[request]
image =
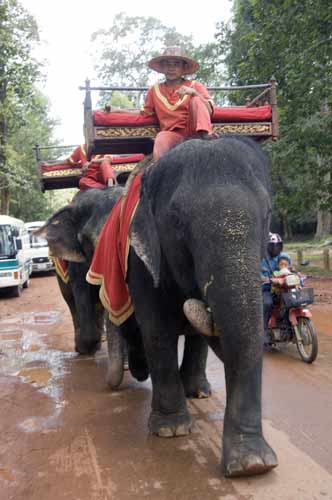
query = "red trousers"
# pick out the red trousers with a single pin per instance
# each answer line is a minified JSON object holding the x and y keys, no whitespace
{"x":199,"y":120}
{"x":97,"y":175}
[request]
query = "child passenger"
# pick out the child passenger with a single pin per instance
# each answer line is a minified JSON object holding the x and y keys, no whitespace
{"x":285,"y":268}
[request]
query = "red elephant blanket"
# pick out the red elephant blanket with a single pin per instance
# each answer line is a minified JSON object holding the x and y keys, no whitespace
{"x":61,"y":268}
{"x":109,"y":264}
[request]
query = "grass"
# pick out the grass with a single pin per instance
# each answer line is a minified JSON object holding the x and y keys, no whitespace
{"x":312,"y":251}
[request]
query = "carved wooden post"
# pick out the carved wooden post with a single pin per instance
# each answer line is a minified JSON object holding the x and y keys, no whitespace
{"x":275,"y":117}
{"x":37,"y":152}
{"x":299,"y":257}
{"x":88,"y":120}
{"x":326,"y":259}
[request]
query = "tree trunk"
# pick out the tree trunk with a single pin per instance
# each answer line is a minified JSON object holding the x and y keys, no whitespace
{"x":324,"y":223}
{"x":286,"y":227}
{"x":4,"y":201}
{"x":4,"y":191}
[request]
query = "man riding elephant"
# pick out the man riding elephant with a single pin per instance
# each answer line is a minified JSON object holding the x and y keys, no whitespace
{"x":183,"y":107}
{"x":197,"y":237}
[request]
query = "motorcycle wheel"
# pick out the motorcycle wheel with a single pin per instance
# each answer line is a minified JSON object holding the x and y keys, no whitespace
{"x":308,"y":349}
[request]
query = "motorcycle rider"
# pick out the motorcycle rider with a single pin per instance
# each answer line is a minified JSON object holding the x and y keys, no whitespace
{"x":269,"y":265}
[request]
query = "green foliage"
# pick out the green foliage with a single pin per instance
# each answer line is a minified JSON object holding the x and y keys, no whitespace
{"x":290,"y":39}
{"x":23,"y":114}
{"x":27,"y":200}
{"x":122,"y":52}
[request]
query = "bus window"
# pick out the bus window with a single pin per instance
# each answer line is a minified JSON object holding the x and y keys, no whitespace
{"x":7,"y":248}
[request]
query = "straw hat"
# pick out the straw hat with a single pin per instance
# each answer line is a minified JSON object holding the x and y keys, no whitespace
{"x":176,"y":53}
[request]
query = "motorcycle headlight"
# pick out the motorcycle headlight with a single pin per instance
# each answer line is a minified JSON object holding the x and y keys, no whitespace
{"x":292,"y":280}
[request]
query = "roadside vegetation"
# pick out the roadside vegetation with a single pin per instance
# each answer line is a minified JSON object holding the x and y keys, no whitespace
{"x":290,"y":40}
{"x":311,"y":256}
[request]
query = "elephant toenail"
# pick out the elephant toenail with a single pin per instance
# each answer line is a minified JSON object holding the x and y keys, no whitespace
{"x":165,"y":432}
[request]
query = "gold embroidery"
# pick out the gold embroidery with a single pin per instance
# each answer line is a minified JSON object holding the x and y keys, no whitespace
{"x":62,"y":173}
{"x":259,"y":129}
{"x":126,"y":131}
{"x":164,"y":100}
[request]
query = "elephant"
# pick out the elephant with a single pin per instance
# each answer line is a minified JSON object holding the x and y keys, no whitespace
{"x":83,"y":299}
{"x":72,"y":233}
{"x":197,"y":237}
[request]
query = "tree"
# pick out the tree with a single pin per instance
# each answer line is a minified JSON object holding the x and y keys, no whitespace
{"x":18,"y":72}
{"x":26,"y":200}
{"x":290,"y":39}
{"x":122,"y":52}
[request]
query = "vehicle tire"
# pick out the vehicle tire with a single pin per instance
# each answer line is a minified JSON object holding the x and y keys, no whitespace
{"x":17,"y":291}
{"x":27,"y":283}
{"x":308,"y":350}
{"x":116,"y":355}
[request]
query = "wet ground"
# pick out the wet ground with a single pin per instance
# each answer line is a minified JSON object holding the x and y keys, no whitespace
{"x":63,"y":434}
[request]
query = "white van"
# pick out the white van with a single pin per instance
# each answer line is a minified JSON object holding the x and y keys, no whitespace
{"x":38,"y":249}
{"x":15,"y":260}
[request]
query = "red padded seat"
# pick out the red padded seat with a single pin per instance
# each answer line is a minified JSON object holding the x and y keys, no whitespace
{"x":103,"y":118}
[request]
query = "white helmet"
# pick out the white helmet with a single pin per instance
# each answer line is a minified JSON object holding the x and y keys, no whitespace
{"x":275,"y":244}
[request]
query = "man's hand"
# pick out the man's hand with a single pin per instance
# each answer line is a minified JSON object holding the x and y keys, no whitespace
{"x":184,"y":90}
{"x":265,"y":279}
{"x":85,"y":167}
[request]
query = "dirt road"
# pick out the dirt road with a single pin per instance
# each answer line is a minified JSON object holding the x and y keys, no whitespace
{"x":64,"y":435}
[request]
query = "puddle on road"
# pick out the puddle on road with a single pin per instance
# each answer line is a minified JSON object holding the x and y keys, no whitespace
{"x":26,"y":354}
{"x":7,"y":475}
{"x":10,"y":335}
{"x":33,"y":318}
{"x":39,"y":376}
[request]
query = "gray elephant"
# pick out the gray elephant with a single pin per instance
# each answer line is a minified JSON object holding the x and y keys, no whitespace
{"x":197,"y":239}
{"x":72,"y":233}
{"x":83,"y":299}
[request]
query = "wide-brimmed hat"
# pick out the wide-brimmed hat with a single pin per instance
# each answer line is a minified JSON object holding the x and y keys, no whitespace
{"x":178,"y":54}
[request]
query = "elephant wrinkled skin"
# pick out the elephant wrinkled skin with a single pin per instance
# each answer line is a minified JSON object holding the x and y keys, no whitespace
{"x":198,"y":233}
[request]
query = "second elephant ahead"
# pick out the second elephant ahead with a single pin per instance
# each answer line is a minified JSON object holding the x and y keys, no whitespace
{"x":72,"y":233}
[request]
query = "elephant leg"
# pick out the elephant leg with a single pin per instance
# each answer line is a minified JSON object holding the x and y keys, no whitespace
{"x":239,"y":317}
{"x":193,"y":367}
{"x":115,"y":346}
{"x":67,"y":293}
{"x":88,"y":311}
{"x":137,"y":362}
{"x":169,"y":416}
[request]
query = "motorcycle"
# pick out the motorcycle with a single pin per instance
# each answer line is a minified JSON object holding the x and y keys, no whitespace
{"x":291,"y":320}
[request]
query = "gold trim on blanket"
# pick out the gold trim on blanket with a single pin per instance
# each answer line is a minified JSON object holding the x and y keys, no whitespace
{"x":116,"y":317}
{"x":64,"y":275}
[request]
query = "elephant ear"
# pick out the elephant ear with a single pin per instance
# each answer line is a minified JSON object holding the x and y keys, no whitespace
{"x":61,"y":233}
{"x":145,"y":240}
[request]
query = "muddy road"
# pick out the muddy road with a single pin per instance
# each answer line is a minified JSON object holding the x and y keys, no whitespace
{"x":63,"y":434}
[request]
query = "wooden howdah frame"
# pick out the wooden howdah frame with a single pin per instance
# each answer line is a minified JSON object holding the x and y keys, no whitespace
{"x":139,"y":139}
{"x":126,"y":140}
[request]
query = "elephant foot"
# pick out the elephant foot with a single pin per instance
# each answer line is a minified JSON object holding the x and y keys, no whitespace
{"x":137,"y":364}
{"x":196,"y":387}
{"x":87,"y":347}
{"x":173,"y":425}
{"x":247,"y":456}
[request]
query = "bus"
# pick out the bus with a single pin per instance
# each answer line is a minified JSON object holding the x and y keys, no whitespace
{"x":15,"y":259}
{"x":38,"y":249}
